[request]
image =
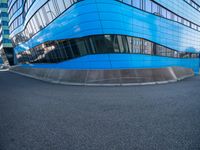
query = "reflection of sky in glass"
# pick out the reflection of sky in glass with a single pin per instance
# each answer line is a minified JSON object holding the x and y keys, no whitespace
{"x":189,"y":39}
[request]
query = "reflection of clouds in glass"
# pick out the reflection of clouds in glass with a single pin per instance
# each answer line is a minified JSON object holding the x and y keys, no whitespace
{"x":77,"y":29}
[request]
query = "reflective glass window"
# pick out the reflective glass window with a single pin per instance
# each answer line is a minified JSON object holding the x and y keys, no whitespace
{"x":137,"y":3}
{"x":147,"y":4}
{"x":128,"y":1}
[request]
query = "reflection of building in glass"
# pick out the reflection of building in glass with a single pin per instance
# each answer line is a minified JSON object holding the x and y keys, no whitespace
{"x":113,"y":34}
{"x":6,"y":49}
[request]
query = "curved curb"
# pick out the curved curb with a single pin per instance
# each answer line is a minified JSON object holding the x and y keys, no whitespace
{"x":100,"y":84}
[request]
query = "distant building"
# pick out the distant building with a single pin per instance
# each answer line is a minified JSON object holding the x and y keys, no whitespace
{"x":1,"y":60}
{"x":6,"y":49}
{"x":106,"y":34}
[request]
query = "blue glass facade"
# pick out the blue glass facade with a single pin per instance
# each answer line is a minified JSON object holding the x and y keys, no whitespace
{"x":105,"y":34}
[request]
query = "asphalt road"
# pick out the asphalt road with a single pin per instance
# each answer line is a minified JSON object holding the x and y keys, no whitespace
{"x":36,"y":115}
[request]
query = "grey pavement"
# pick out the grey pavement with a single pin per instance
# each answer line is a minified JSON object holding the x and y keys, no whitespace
{"x":36,"y":115}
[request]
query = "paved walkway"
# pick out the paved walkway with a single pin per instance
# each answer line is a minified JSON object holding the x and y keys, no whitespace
{"x":36,"y":115}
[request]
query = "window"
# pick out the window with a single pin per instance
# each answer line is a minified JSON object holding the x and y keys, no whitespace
{"x":169,"y":15}
{"x":57,"y":51}
{"x":67,"y":3}
{"x":164,"y":12}
{"x":128,"y":1}
{"x":48,"y":13}
{"x":137,"y":3}
{"x":80,"y":44}
{"x":179,"y":19}
{"x":39,"y":20}
{"x":33,"y":26}
{"x":136,"y":45}
{"x":175,"y":18}
{"x":147,"y":47}
{"x":30,"y":30}
{"x":6,"y":31}
{"x":103,"y":44}
{"x":114,"y":40}
{"x":52,"y":9}
{"x":155,"y":8}
{"x":147,"y":4}
{"x":43,"y":17}
{"x":130,"y":44}
{"x":61,"y":6}
{"x":36,"y":26}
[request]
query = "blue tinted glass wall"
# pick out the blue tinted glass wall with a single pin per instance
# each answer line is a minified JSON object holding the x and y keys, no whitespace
{"x":161,"y":22}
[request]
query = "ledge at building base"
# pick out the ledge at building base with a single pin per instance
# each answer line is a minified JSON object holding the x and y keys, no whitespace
{"x":107,"y":77}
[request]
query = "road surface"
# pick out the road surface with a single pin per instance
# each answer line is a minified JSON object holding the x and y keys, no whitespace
{"x":36,"y":115}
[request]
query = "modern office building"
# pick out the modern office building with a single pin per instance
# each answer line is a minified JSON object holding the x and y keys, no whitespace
{"x":6,"y":49}
{"x":1,"y":61}
{"x":105,"y":34}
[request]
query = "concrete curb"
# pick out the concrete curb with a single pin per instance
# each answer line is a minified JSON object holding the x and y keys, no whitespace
{"x":100,"y":84}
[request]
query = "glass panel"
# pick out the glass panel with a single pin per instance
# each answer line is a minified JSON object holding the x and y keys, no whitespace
{"x":61,"y":6}
{"x":154,"y":8}
{"x":67,"y":3}
{"x":53,"y":11}
{"x":163,"y":12}
{"x":137,"y":3}
{"x":148,"y":5}
{"x":39,"y":20}
{"x":120,"y":42}
{"x":136,"y":45}
{"x":128,"y":1}
{"x":115,"y":44}
{"x":43,"y":18}
{"x":48,"y":12}
{"x":147,"y":47}
{"x":81,"y":47}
